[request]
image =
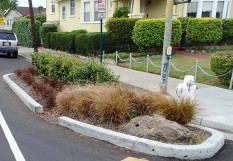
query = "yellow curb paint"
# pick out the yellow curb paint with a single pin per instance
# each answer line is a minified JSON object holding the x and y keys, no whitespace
{"x":133,"y":159}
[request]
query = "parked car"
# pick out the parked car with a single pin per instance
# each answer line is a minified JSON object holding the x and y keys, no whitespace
{"x":8,"y":43}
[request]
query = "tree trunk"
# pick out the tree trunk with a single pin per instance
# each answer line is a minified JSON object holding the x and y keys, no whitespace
{"x":33,"y":26}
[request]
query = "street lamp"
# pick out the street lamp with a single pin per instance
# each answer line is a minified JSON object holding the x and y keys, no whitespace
{"x":167,"y":42}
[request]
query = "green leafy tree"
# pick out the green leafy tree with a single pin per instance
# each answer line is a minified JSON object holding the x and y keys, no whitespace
{"x":6,"y":4}
{"x":41,"y":17}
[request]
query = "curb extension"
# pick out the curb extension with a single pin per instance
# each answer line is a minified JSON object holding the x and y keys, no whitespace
{"x":25,"y":98}
{"x":201,"y":151}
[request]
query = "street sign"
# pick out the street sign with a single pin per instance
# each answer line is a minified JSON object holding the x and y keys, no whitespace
{"x":101,"y":9}
{"x":2,"y":21}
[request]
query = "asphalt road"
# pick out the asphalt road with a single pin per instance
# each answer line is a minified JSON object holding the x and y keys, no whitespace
{"x":39,"y":140}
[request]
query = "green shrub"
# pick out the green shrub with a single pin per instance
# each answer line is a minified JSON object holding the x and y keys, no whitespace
{"x":227,"y":31}
{"x":149,"y":33}
{"x":222,"y":63}
{"x":184,"y":22}
{"x":121,"y":12}
{"x":120,"y":30}
{"x":41,"y":17}
{"x":89,"y":43}
{"x":44,"y":30}
{"x":204,"y":30}
{"x":65,"y":69}
{"x":22,"y":28}
{"x":65,"y":41}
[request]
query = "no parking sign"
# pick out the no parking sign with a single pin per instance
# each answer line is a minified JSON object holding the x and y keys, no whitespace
{"x":101,"y":9}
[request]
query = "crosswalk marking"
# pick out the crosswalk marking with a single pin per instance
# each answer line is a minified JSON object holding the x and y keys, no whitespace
{"x":13,"y":145}
{"x":134,"y":159}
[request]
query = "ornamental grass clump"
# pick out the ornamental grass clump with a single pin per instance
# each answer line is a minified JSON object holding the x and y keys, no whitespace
{"x":181,"y":110}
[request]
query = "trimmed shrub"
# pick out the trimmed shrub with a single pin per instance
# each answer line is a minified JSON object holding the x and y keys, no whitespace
{"x":89,"y":43}
{"x":121,"y":12}
{"x":65,"y":41}
{"x":41,"y":17}
{"x":222,"y":63}
{"x":227,"y":31}
{"x":22,"y":28}
{"x":120,"y":30}
{"x":44,"y":30}
{"x":149,"y":33}
{"x":184,"y":23}
{"x":204,"y":30}
{"x":65,"y":69}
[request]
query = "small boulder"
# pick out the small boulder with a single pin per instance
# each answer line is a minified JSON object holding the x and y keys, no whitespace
{"x":155,"y":127}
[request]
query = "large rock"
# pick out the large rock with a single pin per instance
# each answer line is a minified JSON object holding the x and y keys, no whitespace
{"x":155,"y":127}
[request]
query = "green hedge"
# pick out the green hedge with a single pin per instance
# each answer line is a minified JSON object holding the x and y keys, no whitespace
{"x":227,"y":31}
{"x":120,"y":30}
{"x":149,"y":33}
{"x":44,"y":30}
{"x":73,"y":70}
{"x":22,"y":28}
{"x":222,"y":63}
{"x":89,"y":44}
{"x":184,"y":23}
{"x":204,"y":30}
{"x":64,"y":41}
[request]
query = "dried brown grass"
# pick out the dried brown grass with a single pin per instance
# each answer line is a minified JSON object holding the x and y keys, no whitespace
{"x":181,"y":110}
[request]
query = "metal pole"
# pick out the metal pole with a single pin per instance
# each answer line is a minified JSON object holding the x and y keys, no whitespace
{"x":130,"y":60}
{"x":101,"y":40}
{"x":116,"y":57}
{"x":166,"y":43}
{"x":147,"y":63}
{"x":230,"y":87}
{"x":196,"y":70}
{"x":104,"y":56}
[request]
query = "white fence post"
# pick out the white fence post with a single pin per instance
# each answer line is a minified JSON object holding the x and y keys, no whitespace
{"x":116,"y":58}
{"x":147,"y":63}
{"x":196,"y":70}
{"x":130,"y":60}
{"x":230,"y":87}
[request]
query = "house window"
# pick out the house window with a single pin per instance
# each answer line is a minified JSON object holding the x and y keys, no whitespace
{"x":96,"y":11}
{"x":52,"y":6}
{"x":142,"y":6}
{"x":192,"y":9}
{"x":63,"y":12}
{"x":219,"y":12}
{"x":86,"y":11}
{"x":207,"y":9}
{"x":109,"y":5}
{"x":72,"y":8}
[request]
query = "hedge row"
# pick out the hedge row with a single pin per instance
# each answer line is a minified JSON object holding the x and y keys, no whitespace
{"x":64,"y":41}
{"x":222,"y":63}
{"x":149,"y":33}
{"x":22,"y":28}
{"x":73,"y":70}
{"x":89,"y":43}
{"x":44,"y":30}
{"x":121,"y":30}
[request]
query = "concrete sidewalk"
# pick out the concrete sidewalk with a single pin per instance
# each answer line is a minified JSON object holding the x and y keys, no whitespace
{"x":216,"y":104}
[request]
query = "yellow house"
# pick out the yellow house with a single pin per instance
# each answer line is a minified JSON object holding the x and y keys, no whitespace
{"x":83,"y":14}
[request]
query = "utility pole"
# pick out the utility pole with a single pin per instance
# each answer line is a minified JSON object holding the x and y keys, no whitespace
{"x":166,"y":47}
{"x":33,"y":26}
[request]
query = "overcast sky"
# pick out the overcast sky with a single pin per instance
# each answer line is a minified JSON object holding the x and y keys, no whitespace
{"x":35,"y":3}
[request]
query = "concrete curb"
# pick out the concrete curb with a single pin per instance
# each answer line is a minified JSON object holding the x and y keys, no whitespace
{"x":202,"y":151}
{"x":26,"y":99}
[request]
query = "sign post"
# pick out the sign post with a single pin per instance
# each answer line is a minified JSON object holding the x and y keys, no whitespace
{"x":101,"y":16}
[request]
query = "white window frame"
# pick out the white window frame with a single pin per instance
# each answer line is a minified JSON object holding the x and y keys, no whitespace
{"x":52,"y":4}
{"x":110,"y":4}
{"x":63,"y":12}
{"x":82,"y":10}
{"x":93,"y":13}
{"x":226,"y":8}
{"x":72,"y":8}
